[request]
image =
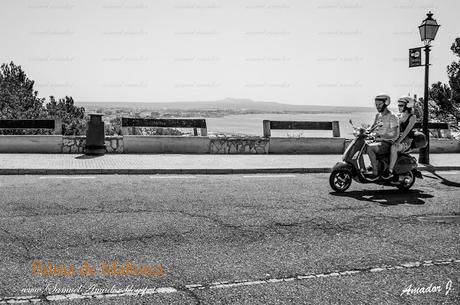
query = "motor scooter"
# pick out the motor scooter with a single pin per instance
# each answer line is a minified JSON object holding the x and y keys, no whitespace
{"x":352,"y":166}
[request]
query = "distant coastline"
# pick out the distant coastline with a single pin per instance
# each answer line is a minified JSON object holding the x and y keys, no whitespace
{"x":237,"y":116}
{"x":229,"y":104}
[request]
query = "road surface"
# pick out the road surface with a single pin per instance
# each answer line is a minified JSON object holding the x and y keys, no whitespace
{"x":229,"y":239}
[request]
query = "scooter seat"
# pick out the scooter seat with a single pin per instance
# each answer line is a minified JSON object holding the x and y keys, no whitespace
{"x":383,"y":155}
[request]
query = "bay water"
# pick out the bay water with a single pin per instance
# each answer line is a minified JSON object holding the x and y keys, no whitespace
{"x":251,"y":124}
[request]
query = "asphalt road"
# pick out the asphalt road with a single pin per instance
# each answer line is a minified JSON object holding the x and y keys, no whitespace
{"x":231,"y":239}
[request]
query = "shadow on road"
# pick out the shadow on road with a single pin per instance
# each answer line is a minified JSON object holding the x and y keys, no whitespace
{"x":387,"y":197}
{"x":82,"y":157}
{"x":443,"y":180}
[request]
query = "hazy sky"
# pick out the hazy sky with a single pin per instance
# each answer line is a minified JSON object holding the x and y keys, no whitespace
{"x":289,"y":51}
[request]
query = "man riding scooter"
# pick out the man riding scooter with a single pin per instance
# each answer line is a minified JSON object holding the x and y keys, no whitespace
{"x":352,"y":165}
{"x":385,"y":135}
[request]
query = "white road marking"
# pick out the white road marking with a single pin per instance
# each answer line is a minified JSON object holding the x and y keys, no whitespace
{"x":173,"y":177}
{"x":269,"y":176}
{"x":224,"y":284}
{"x":67,"y":177}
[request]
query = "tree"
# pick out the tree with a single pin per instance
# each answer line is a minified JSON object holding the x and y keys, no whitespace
{"x":114,"y":127}
{"x":19,"y":100}
{"x":446,"y":97}
{"x":453,"y":71}
{"x":72,"y":116}
{"x":443,"y":108}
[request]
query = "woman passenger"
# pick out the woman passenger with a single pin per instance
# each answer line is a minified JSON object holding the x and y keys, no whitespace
{"x":406,"y":122}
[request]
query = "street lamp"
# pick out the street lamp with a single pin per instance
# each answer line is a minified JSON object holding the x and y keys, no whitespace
{"x":428,"y":30}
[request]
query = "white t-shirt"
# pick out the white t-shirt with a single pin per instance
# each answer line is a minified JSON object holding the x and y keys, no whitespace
{"x":389,"y":121}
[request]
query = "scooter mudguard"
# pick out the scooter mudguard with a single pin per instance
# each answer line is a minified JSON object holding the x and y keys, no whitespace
{"x":404,"y":164}
{"x":343,"y":166}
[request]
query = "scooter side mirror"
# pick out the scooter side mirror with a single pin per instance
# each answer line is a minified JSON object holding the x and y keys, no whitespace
{"x":351,"y":122}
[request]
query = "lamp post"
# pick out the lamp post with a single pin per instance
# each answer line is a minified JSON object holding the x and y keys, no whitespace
{"x":428,"y":30}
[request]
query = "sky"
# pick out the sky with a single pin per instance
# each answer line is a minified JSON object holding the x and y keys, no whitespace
{"x":298,"y":52}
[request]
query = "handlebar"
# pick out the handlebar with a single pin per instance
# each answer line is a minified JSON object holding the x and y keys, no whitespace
{"x":363,"y":131}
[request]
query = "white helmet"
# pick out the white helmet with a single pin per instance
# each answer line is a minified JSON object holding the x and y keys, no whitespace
{"x":410,"y":102}
{"x":384,"y":98}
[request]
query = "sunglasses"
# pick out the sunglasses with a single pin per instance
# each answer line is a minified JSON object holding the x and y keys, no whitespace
{"x":401,"y":105}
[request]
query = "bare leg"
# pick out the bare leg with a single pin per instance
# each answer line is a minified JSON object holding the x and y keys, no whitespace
{"x":393,"y":156}
{"x":371,"y":151}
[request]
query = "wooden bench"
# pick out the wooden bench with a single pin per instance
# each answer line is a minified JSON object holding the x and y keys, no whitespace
{"x":301,"y":125}
{"x":132,"y":123}
{"x":435,"y":126}
{"x":33,"y":124}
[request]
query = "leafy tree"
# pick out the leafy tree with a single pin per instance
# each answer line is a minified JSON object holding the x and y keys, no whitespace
{"x":114,"y":127}
{"x":453,"y":71}
{"x":445,"y":105}
{"x":72,"y":116}
{"x":19,"y":100}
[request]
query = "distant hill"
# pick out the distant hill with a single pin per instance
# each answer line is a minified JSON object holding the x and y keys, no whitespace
{"x":228,"y":104}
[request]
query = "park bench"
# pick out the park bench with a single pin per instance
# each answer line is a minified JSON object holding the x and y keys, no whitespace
{"x":301,"y":125}
{"x":33,"y":124}
{"x":437,"y":126}
{"x":128,"y":125}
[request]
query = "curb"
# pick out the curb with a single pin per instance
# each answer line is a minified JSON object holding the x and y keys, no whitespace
{"x":200,"y":171}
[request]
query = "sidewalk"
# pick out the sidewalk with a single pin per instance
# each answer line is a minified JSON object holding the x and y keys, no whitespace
{"x":67,"y":164}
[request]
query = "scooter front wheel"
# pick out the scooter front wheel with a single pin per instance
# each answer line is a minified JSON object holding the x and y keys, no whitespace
{"x":340,"y":180}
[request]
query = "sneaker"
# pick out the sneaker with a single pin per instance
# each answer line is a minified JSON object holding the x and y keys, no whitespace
{"x":387,"y":174}
{"x":367,"y":171}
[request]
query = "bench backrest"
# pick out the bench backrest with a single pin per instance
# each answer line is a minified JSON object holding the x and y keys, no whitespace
{"x":436,"y":126}
{"x":433,"y":125}
{"x":301,"y":125}
{"x":33,"y":124}
{"x":127,"y":123}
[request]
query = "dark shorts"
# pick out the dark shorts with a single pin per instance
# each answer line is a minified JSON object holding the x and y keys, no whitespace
{"x":381,"y":148}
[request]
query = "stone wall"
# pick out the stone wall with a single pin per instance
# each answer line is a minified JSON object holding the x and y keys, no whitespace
{"x":165,"y":145}
{"x":31,"y":144}
{"x":73,"y":144}
{"x":239,"y":145}
{"x":305,"y":145}
{"x":76,"y":144}
{"x":114,"y":145}
{"x":198,"y":145}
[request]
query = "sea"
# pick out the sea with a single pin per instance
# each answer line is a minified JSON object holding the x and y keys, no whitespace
{"x":251,"y":124}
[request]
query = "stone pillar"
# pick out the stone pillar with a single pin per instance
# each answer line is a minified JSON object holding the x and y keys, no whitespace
{"x":266,"y":125}
{"x":95,"y":137}
{"x":335,"y":129}
{"x":58,"y":127}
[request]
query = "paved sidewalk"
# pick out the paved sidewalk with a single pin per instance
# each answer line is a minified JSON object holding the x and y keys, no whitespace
{"x":65,"y":164}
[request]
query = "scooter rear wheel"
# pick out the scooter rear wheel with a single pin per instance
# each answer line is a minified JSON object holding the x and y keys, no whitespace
{"x":340,"y":180}
{"x":405,"y":185}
